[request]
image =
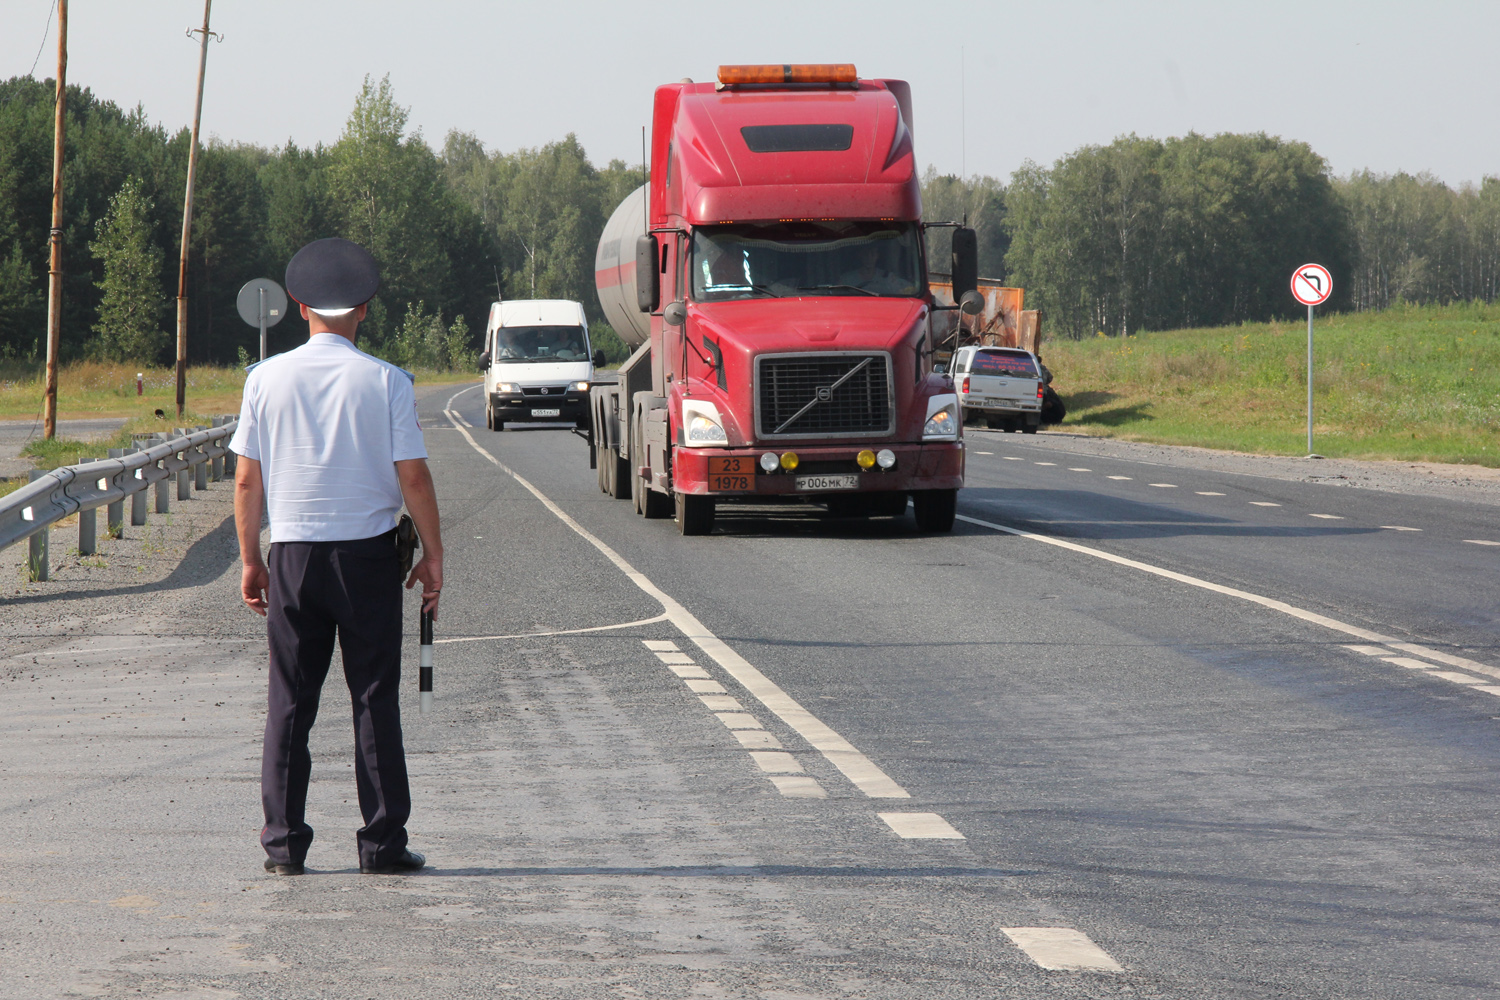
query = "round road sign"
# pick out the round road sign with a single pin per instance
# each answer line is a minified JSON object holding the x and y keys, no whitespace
{"x":1312,"y":284}
{"x":250,"y":302}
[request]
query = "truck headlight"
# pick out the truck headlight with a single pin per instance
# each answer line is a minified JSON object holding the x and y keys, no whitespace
{"x":942,"y":418}
{"x":702,"y":424}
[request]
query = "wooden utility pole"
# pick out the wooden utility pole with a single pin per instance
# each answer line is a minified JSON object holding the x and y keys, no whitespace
{"x":54,"y":269}
{"x":187,"y":216}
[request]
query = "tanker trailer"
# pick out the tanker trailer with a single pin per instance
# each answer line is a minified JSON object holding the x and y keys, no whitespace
{"x":772,"y":277}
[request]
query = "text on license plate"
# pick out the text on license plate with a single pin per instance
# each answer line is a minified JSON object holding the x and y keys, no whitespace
{"x":730,"y":473}
{"x":546,"y":413}
{"x":849,"y":482}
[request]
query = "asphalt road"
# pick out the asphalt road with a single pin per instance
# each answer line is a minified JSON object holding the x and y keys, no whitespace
{"x":1189,"y":785}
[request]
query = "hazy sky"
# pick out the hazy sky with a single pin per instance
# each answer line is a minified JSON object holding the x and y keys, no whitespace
{"x":1372,"y":84}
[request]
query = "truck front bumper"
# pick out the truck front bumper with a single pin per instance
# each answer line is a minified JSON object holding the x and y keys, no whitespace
{"x":934,"y":466}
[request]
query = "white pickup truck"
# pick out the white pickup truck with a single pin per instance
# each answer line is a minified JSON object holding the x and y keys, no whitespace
{"x":1003,"y":386}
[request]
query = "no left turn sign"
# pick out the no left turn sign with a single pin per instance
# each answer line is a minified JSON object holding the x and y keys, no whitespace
{"x":1312,"y":284}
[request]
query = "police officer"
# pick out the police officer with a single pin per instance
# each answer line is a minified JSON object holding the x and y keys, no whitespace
{"x":328,"y":440}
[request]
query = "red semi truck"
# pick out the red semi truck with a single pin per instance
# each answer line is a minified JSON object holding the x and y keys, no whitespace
{"x":772,"y":276}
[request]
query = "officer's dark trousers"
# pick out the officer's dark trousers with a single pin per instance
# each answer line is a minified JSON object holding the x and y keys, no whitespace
{"x":319,"y":590}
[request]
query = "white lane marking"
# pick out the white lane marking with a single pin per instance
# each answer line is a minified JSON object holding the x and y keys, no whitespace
{"x":721,"y":703}
{"x":1398,"y":527}
{"x":1410,"y":663}
{"x":1264,"y":503}
{"x":448,"y":406}
{"x":1044,"y":463}
{"x":1489,"y":689}
{"x":1334,"y":624}
{"x":920,"y":826}
{"x":704,"y":686}
{"x":672,"y":657}
{"x":776,"y":761}
{"x":660,"y":645}
{"x":1165,"y":486}
{"x":685,"y":670}
{"x":1328,"y":517}
{"x":568,"y":631}
{"x":1480,"y":541}
{"x":1208,"y":493}
{"x":1456,"y":677}
{"x":739,"y":720}
{"x":1370,"y":650}
{"x":1119,"y":477}
{"x":1061,"y":949}
{"x":1071,"y":469}
{"x":842,"y":754}
{"x":984,"y":453}
{"x":1013,"y":458}
{"x":798,"y":786}
{"x":757,"y":739}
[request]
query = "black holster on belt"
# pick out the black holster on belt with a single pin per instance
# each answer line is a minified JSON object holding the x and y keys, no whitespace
{"x":406,"y":544}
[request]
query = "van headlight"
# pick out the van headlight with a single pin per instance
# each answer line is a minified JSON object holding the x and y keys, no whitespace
{"x":942,"y":418}
{"x":702,"y":425}
{"x":509,"y":387}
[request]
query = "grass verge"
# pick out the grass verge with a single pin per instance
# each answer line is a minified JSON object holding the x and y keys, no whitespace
{"x":1410,"y":383}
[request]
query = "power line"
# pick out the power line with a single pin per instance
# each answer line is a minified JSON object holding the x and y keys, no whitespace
{"x":50,"y":11}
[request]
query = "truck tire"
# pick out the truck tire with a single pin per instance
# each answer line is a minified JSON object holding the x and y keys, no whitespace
{"x":657,"y":506}
{"x":620,"y":475}
{"x":935,"y":509}
{"x":887,"y":504}
{"x":695,"y":514}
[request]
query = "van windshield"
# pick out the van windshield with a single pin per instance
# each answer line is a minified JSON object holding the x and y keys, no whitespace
{"x":789,"y":259}
{"x":1003,"y":363}
{"x":540,"y":343}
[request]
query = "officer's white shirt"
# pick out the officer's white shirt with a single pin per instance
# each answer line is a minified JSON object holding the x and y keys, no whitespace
{"x":327,"y":423}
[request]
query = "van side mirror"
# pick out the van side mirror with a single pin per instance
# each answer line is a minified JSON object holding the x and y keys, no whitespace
{"x":599,"y":359}
{"x":647,"y":273}
{"x":484,"y":361}
{"x":965,"y":262}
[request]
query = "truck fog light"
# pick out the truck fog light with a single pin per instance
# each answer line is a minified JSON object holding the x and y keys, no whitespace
{"x":789,"y":460}
{"x":885,"y":458}
{"x":769,"y":461}
{"x":866,"y":459}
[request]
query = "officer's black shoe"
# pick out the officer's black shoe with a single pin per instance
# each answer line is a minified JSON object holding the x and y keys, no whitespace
{"x":409,"y":861}
{"x":295,"y":868}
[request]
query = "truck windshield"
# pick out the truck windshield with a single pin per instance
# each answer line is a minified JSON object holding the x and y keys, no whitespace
{"x":1003,"y":363}
{"x":784,"y":259}
{"x":540,"y":343}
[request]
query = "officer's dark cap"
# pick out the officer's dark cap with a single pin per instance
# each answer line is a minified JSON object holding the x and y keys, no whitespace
{"x":333,"y":275}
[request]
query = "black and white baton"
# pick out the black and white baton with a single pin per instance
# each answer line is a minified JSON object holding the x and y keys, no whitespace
{"x":424,"y":674}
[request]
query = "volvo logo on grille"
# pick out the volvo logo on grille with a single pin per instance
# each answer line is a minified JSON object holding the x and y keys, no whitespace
{"x":825,"y":393}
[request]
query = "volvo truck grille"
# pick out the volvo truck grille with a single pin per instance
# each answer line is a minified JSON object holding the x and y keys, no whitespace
{"x":823,"y":395}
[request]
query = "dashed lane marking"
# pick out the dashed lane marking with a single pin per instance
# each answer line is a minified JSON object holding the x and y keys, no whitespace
{"x":798,"y":786}
{"x":1480,"y":541}
{"x":1398,"y":527}
{"x":1416,"y":649}
{"x":1013,"y":458}
{"x":660,"y":645}
{"x":1062,"y":949}
{"x":1263,"y":503}
{"x":984,"y":453}
{"x":920,"y":826}
{"x":842,"y":754}
{"x":1456,"y":677}
{"x":739,"y":720}
{"x":672,"y":656}
{"x":757,"y":739}
{"x":1208,"y":493}
{"x":1043,"y":463}
{"x":1119,"y":477}
{"x":704,"y":686}
{"x":1080,"y":470}
{"x":686,"y":670}
{"x":776,"y":761}
{"x":721,"y":703}
{"x":1328,"y":517}
{"x":1165,"y":486}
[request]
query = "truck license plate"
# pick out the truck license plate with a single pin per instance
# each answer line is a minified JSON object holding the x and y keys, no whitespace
{"x":849,"y":482}
{"x":729,"y":473}
{"x":546,"y":413}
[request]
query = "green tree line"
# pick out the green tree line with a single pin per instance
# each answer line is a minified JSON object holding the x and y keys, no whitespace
{"x":450,"y":228}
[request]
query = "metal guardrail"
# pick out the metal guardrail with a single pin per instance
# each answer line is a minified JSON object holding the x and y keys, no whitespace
{"x":127,"y":472}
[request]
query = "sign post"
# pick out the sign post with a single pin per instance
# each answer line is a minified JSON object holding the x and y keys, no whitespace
{"x":261,"y":303}
{"x":1311,"y":286}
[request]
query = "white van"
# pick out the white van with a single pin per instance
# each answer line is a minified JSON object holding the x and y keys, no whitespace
{"x":537,"y":363}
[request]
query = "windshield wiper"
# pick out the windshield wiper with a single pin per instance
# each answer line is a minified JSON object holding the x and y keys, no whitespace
{"x":819,"y":288}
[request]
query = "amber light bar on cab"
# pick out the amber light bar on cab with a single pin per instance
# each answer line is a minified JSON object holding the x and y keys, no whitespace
{"x":789,"y":73}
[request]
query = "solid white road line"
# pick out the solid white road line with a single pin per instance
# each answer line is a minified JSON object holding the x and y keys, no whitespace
{"x":1334,"y":624}
{"x":842,"y":754}
{"x":1480,"y":541}
{"x":1061,"y":949}
{"x":920,"y":826}
{"x":542,"y":635}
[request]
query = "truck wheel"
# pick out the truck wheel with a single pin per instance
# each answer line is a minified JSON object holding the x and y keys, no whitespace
{"x":695,"y":514}
{"x":656,"y":506}
{"x":620,"y":476}
{"x":935,"y":509}
{"x":887,"y":504}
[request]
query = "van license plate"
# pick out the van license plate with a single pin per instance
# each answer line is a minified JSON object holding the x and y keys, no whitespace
{"x":849,"y":482}
{"x":546,"y":413}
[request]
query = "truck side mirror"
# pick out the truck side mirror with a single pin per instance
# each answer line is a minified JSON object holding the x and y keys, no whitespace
{"x":599,"y":359}
{"x":965,"y":262}
{"x":484,"y":361}
{"x":647,"y":273}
